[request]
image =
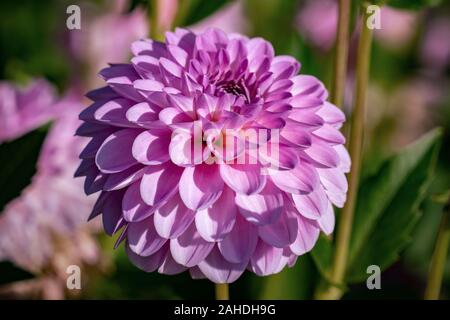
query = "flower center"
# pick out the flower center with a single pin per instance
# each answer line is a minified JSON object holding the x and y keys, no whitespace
{"x":237,"y":89}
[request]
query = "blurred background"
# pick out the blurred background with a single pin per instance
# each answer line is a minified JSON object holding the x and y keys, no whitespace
{"x":45,"y":70}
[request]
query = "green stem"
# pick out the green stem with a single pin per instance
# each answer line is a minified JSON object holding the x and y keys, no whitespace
{"x":155,"y":32}
{"x":222,"y":292}
{"x":344,"y":227}
{"x":341,"y":52}
{"x":439,"y":257}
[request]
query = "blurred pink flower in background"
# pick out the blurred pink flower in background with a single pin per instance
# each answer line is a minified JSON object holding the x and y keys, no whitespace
{"x":317,"y":22}
{"x":106,"y":37}
{"x":44,"y":229}
{"x":230,"y":19}
{"x":24,"y":109}
{"x":435,"y":50}
{"x":166,"y":12}
{"x":397,"y":27}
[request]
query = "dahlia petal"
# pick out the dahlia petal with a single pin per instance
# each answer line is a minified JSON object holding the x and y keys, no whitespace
{"x":312,"y":205}
{"x":307,"y":235}
{"x":114,"y":155}
{"x":112,"y":213}
{"x":308,"y":86}
{"x":262,"y":208}
{"x":108,"y":112}
{"x":282,"y":232}
{"x":215,"y":222}
{"x":123,"y":85}
{"x":183,"y":103}
{"x":173,"y":115}
{"x":327,"y":221}
{"x":151,"y":146}
{"x":170,"y":68}
{"x":306,"y":118}
{"x":331,"y":114}
{"x":196,"y":273}
{"x":143,"y":238}
{"x":335,"y":184}
{"x":284,"y":67}
{"x":133,"y":207}
{"x":149,"y":263}
{"x":104,"y":93}
{"x":183,"y":151}
{"x":294,"y":135}
{"x":99,"y":203}
{"x":143,"y":114}
{"x":345,"y":162}
{"x":169,"y":266}
{"x":190,"y":248}
{"x":123,"y":179}
{"x":265,"y":259}
{"x":149,"y":47}
{"x":219,"y":270}
{"x":239,"y":244}
{"x":329,"y":134}
{"x":200,"y":186}
{"x":322,"y":154}
{"x":278,"y":156}
{"x":89,"y":129}
{"x":173,"y":218}
{"x":259,"y":47}
{"x":245,"y":179}
{"x":302,"y":179}
{"x":94,"y":182}
{"x":178,"y":54}
{"x":147,"y":67}
{"x":159,"y":183}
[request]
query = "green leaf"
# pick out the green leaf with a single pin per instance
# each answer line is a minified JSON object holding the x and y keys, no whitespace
{"x":18,"y":159}
{"x":413,"y":4}
{"x":197,"y":10}
{"x":388,"y":206}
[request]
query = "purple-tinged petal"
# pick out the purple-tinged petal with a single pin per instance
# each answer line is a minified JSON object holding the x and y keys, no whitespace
{"x":159,"y":183}
{"x":123,"y":179}
{"x":173,"y":218}
{"x":115,"y":155}
{"x":112,"y":213}
{"x":133,"y":207}
{"x":239,"y":244}
{"x":243,"y":178}
{"x":169,"y":266}
{"x":151,"y":146}
{"x":307,"y":235}
{"x":282,"y":232}
{"x":147,"y":264}
{"x":312,"y":205}
{"x":265,"y":259}
{"x":262,"y":208}
{"x":327,"y":221}
{"x":219,"y":270}
{"x":331,"y":114}
{"x":329,"y":134}
{"x":143,"y":238}
{"x":215,"y":222}
{"x":322,"y":154}
{"x":300,"y":180}
{"x":200,"y":186}
{"x":190,"y":248}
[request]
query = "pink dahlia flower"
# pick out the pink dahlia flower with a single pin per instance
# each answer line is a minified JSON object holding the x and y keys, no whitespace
{"x":213,"y":155}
